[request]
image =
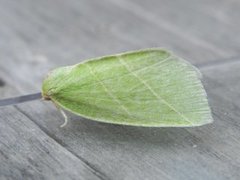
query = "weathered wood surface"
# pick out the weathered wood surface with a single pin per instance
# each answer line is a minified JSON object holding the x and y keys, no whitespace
{"x":36,"y":36}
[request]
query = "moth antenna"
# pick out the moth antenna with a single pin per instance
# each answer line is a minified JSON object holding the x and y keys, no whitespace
{"x":65,"y":118}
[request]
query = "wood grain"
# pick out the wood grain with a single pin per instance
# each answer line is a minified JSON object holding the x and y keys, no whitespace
{"x":37,"y":36}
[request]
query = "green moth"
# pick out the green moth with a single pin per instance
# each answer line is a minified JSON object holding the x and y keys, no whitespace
{"x":150,"y":87}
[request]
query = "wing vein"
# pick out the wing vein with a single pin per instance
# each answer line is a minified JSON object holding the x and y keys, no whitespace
{"x":107,"y":91}
{"x":121,"y":60}
{"x":136,"y":70}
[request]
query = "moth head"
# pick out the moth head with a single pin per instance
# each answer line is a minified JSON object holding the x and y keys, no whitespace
{"x":54,"y":81}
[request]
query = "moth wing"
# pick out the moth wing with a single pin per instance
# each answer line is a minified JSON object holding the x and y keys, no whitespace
{"x":151,"y":87}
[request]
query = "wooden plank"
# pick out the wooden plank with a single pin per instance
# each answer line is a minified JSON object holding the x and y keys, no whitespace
{"x":213,"y":24}
{"x":92,"y":28}
{"x":83,"y":35}
{"x":26,"y":152}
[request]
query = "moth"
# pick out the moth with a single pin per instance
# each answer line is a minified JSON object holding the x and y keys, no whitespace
{"x":149,"y":87}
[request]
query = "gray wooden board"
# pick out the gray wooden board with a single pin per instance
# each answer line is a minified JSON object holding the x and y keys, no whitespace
{"x":26,"y":152}
{"x":39,"y":35}
{"x":208,"y":23}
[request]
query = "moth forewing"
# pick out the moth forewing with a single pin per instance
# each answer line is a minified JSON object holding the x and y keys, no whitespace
{"x":151,"y":87}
